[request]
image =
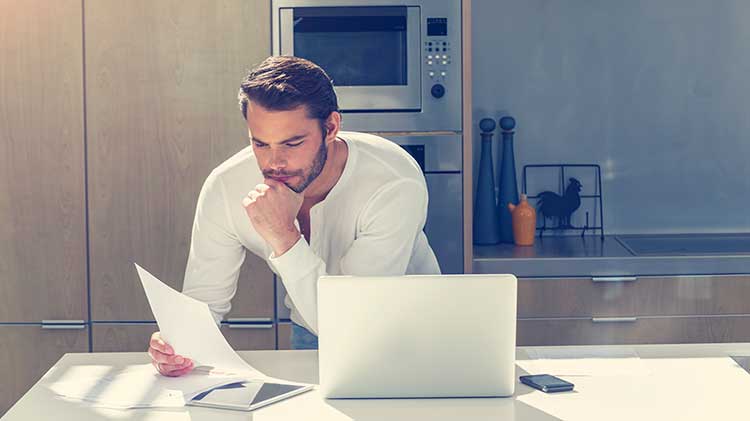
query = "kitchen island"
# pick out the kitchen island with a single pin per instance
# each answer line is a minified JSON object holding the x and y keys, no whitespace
{"x":628,"y":289}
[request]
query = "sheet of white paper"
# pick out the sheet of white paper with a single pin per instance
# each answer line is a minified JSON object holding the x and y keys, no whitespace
{"x":187,"y":325}
{"x":135,"y":386}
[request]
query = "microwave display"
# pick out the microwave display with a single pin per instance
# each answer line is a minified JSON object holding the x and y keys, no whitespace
{"x":437,"y":27}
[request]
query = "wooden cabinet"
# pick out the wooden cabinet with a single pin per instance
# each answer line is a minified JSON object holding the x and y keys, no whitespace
{"x":284,"y":333}
{"x":250,"y":337}
{"x":571,"y":297}
{"x":42,"y":199}
{"x":650,"y":309}
{"x":116,"y":337}
{"x":28,"y":351}
{"x":131,"y":129}
{"x":689,"y":295}
{"x":161,"y":94}
{"x":131,"y":337}
{"x":42,"y":196}
{"x":635,"y":330}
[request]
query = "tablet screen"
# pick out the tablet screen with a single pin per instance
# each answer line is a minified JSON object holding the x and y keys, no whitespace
{"x":245,"y":395}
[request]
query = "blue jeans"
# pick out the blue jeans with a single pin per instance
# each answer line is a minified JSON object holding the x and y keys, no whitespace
{"x":303,"y":338}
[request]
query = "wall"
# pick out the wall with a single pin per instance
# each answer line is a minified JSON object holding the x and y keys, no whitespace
{"x":654,"y":91}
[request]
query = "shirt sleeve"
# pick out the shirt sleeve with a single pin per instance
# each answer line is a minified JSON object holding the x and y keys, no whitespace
{"x":387,"y":229}
{"x":216,"y":253}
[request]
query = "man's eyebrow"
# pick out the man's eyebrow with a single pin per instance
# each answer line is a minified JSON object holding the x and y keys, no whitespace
{"x":291,"y":139}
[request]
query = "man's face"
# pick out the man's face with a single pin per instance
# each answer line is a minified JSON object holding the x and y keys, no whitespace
{"x":288,"y":145}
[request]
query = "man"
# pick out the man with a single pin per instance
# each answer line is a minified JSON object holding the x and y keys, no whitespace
{"x":324,"y":202}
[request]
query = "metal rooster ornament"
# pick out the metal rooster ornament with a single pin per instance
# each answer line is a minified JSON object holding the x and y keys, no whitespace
{"x":551,"y":204}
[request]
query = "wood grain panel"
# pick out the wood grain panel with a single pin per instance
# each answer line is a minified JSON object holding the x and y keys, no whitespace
{"x":162,"y":113}
{"x":284,"y":334}
{"x":659,"y":330}
{"x":246,"y":339}
{"x":647,"y":296}
{"x":693,"y":295}
{"x":121,"y":337}
{"x":28,"y":351}
{"x":42,"y":204}
{"x":135,"y":337}
{"x":574,"y":297}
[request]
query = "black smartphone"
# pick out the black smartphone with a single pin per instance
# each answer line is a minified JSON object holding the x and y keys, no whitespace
{"x":546,"y":383}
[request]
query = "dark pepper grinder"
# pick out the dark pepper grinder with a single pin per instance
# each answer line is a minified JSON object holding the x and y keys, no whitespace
{"x":486,"y":224}
{"x":508,"y":185}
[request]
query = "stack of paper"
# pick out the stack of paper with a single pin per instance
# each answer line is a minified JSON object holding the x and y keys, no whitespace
{"x":188,"y":326}
{"x":136,"y":386}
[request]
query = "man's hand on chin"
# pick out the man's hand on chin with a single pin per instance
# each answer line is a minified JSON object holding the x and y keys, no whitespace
{"x":272,"y":208}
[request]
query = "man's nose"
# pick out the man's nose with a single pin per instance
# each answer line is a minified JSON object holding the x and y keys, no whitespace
{"x":278,"y":160}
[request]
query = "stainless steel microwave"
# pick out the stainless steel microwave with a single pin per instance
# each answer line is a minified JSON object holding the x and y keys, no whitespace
{"x":395,"y":64}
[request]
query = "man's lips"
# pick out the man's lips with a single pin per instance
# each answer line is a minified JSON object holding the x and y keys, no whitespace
{"x":280,"y":179}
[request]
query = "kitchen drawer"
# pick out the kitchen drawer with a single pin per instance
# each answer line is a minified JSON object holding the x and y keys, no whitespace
{"x":633,"y":296}
{"x":650,"y":330}
{"x":692,"y":295}
{"x":575,"y":297}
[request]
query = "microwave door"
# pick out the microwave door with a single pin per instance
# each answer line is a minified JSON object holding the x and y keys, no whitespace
{"x":373,"y":66}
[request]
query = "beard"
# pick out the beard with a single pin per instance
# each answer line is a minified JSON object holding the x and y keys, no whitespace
{"x":308,"y":175}
{"x":315,"y":169}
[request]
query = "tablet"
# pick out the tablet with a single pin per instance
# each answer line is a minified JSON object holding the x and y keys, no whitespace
{"x":247,"y":396}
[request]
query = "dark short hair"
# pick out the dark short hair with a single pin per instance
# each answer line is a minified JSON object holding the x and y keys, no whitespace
{"x":283,"y":83}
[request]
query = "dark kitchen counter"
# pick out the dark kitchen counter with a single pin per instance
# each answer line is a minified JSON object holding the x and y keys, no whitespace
{"x":624,"y":255}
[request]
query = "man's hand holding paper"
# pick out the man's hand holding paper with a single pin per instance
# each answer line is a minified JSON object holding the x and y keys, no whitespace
{"x":189,"y":331}
{"x":165,"y":360}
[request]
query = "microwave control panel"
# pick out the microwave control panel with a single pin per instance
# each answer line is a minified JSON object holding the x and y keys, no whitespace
{"x":437,"y":55}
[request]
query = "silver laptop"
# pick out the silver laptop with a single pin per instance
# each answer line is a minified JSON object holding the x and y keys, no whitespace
{"x":417,"y":336}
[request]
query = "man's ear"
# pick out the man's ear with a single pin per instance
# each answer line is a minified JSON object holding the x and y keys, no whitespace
{"x":332,"y":125}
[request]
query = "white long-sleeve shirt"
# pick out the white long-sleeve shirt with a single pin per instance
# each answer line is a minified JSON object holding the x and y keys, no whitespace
{"x":371,"y":223}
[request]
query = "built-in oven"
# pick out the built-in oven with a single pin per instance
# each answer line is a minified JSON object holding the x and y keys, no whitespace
{"x":395,"y":64}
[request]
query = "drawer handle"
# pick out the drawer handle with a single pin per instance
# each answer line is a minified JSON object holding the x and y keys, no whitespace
{"x":63,"y":324}
{"x":249,"y":326}
{"x":614,"y":319}
{"x":249,"y":320}
{"x":614,"y":278}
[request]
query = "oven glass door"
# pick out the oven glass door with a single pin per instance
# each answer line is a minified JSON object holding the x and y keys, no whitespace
{"x":371,"y":53}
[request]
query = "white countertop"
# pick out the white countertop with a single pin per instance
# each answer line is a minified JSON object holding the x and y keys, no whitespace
{"x":677,"y":382}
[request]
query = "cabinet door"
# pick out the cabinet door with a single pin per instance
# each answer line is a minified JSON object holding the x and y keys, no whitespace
{"x":112,"y":337}
{"x":42,"y":220}
{"x":161,"y":92}
{"x":28,"y":351}
{"x":284,"y":333}
{"x":250,"y":337}
{"x":124,"y":337}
